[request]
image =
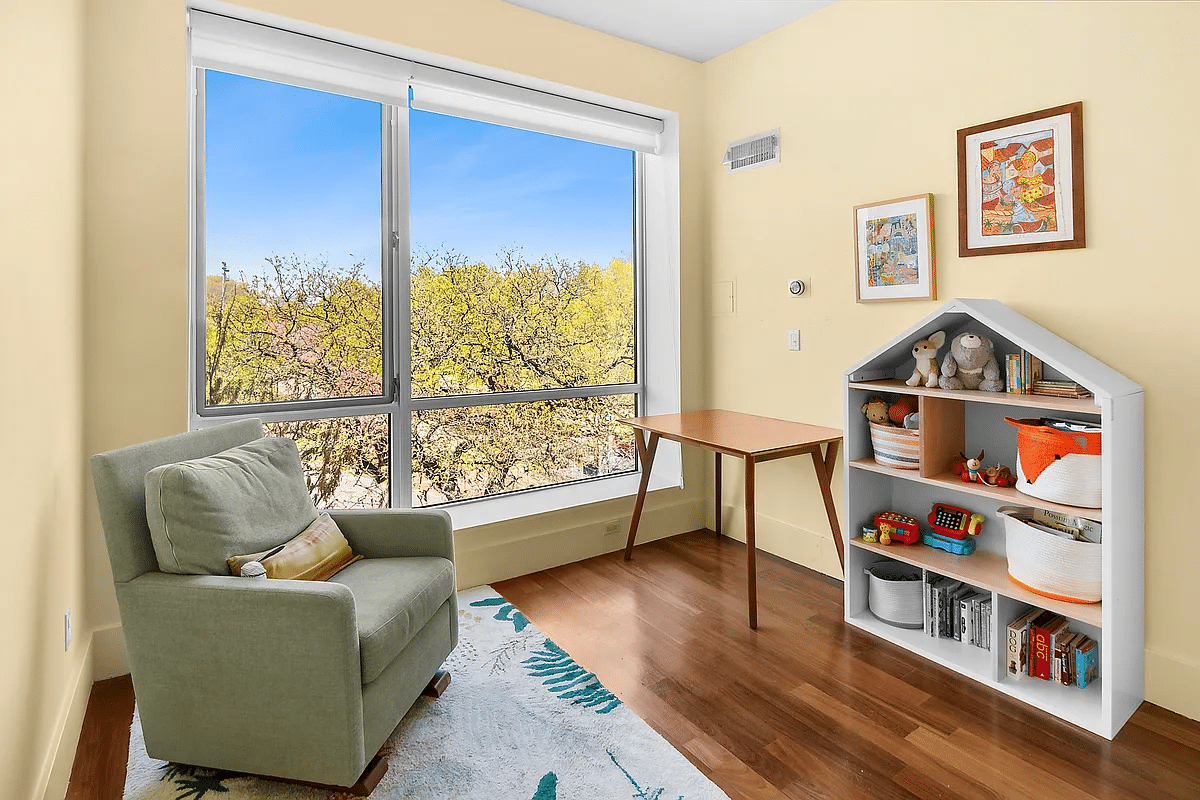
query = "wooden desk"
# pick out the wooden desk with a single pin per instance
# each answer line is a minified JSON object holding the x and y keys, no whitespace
{"x":752,"y":439}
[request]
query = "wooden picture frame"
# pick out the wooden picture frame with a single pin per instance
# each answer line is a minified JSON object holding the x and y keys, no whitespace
{"x":1020,"y":183}
{"x":893,"y":250}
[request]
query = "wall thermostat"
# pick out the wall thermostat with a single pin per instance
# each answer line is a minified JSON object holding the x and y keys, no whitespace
{"x":797,"y":287}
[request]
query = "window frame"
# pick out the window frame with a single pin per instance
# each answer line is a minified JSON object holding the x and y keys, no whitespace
{"x":656,"y":384}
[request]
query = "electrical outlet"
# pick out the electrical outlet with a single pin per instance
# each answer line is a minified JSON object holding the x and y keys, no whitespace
{"x":67,"y":630}
{"x":612,"y":528}
{"x":793,"y":340}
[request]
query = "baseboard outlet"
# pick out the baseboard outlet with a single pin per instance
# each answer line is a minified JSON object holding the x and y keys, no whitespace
{"x":56,"y":773}
{"x":1171,"y":682}
{"x":813,"y":549}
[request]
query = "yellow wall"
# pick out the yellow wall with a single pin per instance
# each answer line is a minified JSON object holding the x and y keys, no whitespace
{"x":41,"y":229}
{"x":869,"y":96}
{"x":136,"y":284}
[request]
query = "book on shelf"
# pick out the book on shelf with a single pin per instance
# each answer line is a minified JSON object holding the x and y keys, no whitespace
{"x":1012,"y":374}
{"x":1087,"y":662}
{"x":1040,"y":644}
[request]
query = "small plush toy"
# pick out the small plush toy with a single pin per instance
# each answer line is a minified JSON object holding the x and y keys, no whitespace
{"x":876,"y":410}
{"x":958,"y":464}
{"x":900,"y":409}
{"x":913,"y":421}
{"x":971,"y":364}
{"x":925,"y":352}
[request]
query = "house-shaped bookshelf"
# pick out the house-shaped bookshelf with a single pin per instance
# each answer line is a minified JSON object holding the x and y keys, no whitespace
{"x":969,"y":421}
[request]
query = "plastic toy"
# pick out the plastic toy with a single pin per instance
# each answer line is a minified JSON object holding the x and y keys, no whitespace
{"x":999,"y":475}
{"x":900,"y":528}
{"x":955,"y":522}
{"x":925,"y":352}
{"x":971,"y":467}
{"x":870,"y":534}
{"x":959,"y":547}
{"x":885,"y":534}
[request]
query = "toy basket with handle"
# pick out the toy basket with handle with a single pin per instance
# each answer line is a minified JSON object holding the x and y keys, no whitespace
{"x":1058,"y":465}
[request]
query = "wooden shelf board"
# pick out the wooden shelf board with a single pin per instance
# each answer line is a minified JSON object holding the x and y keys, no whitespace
{"x":948,"y":480}
{"x":1086,"y":405}
{"x":985,"y":570}
{"x":974,"y":662}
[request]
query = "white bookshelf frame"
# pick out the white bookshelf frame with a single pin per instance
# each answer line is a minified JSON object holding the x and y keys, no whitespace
{"x":1117,"y":622}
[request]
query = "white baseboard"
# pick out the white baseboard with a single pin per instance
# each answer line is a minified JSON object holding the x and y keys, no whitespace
{"x":56,"y":774}
{"x":1171,"y":682}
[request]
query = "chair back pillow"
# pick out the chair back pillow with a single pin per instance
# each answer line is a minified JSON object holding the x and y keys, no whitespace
{"x":242,"y":500}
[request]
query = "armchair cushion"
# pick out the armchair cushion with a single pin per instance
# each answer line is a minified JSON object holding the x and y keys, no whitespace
{"x":241,"y":500}
{"x":393,"y":599}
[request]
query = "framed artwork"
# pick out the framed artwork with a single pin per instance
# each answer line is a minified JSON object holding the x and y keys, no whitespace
{"x":893,"y":250}
{"x":1020,"y":183}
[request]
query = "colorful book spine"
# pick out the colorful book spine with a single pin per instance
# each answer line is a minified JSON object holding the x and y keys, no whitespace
{"x":1087,"y":663}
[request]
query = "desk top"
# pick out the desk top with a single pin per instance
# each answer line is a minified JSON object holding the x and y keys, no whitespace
{"x":735,"y":433}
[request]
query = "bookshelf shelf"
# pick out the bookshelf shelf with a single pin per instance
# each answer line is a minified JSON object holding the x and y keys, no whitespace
{"x":1084,"y":405}
{"x":985,"y":570}
{"x":948,"y":480}
{"x":962,"y":421}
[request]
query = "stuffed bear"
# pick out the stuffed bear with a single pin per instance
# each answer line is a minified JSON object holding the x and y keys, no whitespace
{"x":925,"y":352}
{"x":876,"y":410}
{"x":971,"y":364}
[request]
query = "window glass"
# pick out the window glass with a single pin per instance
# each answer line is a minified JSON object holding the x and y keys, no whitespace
{"x":294,"y":304}
{"x":463,"y":453}
{"x":345,"y":460}
{"x":522,"y":259}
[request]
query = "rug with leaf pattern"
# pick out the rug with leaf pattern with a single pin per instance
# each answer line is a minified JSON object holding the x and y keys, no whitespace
{"x":520,"y":721}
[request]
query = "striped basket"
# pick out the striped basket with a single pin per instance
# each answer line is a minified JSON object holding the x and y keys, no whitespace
{"x":1049,"y":565}
{"x":896,"y":447}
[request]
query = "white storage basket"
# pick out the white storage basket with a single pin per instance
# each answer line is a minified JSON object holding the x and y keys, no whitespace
{"x":896,"y":447}
{"x":1049,"y":565}
{"x":894,"y":594}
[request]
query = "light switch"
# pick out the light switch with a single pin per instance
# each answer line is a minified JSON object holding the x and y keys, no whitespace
{"x":793,"y":340}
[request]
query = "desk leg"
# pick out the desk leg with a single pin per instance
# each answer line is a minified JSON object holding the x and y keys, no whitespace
{"x":824,"y":468}
{"x":646,"y":456}
{"x":717,"y":454}
{"x":751,"y":568}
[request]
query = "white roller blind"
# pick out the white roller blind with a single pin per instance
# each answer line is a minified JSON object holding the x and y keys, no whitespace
{"x":461,"y":95}
{"x":233,"y":45}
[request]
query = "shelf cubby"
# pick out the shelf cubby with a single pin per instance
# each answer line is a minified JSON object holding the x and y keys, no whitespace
{"x":970,"y":421}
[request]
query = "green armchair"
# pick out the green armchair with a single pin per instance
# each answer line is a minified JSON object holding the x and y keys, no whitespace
{"x":294,"y":679}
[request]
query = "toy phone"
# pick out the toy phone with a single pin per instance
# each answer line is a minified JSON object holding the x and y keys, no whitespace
{"x":901,"y":528}
{"x":955,"y":522}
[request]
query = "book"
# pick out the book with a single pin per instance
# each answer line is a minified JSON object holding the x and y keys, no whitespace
{"x":1017,"y":630}
{"x":985,"y":614}
{"x":1067,"y":659}
{"x":1039,"y":645}
{"x":1058,"y":651}
{"x":1087,"y":662}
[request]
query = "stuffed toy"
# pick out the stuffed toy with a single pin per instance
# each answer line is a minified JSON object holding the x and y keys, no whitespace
{"x":900,"y":409}
{"x":925,"y":351}
{"x":971,"y":364}
{"x":876,"y":410}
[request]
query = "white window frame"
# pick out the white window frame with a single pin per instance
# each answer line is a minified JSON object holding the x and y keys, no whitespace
{"x":316,"y":59}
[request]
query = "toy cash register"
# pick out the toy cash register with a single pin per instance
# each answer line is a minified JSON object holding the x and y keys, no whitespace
{"x":951,"y":528}
{"x":898,"y":527}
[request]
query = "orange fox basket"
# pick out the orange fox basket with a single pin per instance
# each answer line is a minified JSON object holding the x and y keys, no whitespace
{"x":1059,"y":466}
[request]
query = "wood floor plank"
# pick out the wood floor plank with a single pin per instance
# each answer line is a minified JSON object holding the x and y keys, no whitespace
{"x":804,"y":707}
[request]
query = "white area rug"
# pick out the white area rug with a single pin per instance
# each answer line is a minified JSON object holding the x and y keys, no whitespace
{"x":520,"y":721}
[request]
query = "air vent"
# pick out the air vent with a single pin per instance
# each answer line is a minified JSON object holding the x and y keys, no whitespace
{"x":754,"y":151}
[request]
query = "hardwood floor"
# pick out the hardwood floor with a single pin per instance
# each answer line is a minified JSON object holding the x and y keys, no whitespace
{"x":804,"y":707}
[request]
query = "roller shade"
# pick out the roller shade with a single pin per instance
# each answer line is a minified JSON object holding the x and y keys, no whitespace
{"x":472,"y":97}
{"x":233,"y":45}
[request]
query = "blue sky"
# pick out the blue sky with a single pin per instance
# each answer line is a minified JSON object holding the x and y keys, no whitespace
{"x":292,"y":170}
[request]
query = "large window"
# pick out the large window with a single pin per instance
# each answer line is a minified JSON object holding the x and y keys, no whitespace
{"x":436,"y":307}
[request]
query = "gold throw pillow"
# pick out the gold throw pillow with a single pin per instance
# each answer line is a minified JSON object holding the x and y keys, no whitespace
{"x":315,"y":554}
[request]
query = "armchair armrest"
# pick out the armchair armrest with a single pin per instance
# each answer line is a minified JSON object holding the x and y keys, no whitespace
{"x":392,"y":533}
{"x":225,"y":668}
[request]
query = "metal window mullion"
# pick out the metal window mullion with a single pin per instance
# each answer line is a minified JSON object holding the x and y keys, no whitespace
{"x":639,"y":281}
{"x":396,"y":179}
{"x":525,"y":396}
{"x":199,"y":300}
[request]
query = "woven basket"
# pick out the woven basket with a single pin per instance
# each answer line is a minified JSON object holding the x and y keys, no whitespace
{"x":1060,"y":466}
{"x":1049,"y":565}
{"x":896,"y":447}
{"x":895,"y":601}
